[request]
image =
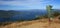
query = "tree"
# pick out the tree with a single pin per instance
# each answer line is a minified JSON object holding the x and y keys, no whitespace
{"x":49,"y":8}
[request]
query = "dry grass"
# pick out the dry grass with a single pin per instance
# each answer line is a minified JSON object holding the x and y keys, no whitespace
{"x":43,"y":23}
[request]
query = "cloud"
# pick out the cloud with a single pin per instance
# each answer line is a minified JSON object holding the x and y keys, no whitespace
{"x":8,"y":7}
{"x":25,"y":3}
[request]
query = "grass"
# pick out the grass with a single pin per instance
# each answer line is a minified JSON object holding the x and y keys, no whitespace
{"x":34,"y":24}
{"x":41,"y":23}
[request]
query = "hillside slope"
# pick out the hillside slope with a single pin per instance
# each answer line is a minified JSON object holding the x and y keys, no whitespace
{"x":33,"y":24}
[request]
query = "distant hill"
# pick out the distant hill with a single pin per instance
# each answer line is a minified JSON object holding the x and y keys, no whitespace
{"x":14,"y":15}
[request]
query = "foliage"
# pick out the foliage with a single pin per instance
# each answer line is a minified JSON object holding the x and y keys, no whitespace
{"x":40,"y":17}
{"x":4,"y":23}
{"x":56,"y":14}
{"x":49,"y":8}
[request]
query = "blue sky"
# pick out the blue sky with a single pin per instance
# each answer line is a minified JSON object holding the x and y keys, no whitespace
{"x":28,"y":4}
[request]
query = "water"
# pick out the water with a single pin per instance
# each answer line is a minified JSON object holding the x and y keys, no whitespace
{"x":14,"y":15}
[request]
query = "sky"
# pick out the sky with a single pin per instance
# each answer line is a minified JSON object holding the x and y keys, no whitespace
{"x":28,"y":4}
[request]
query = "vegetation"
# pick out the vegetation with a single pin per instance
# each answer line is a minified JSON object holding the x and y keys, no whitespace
{"x":8,"y":14}
{"x":39,"y":17}
{"x":4,"y":23}
{"x":49,"y":9}
{"x":49,"y":13}
{"x":56,"y":14}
